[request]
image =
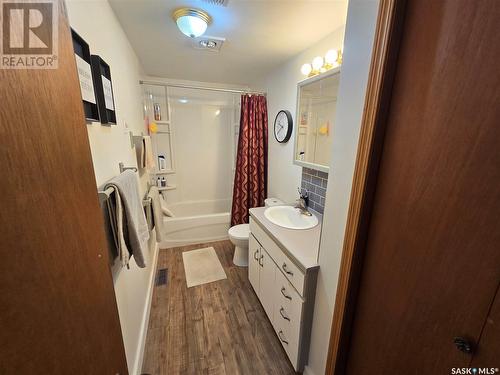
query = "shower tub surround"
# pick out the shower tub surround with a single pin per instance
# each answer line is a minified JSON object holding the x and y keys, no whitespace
{"x":315,"y":182}
{"x":197,"y":222}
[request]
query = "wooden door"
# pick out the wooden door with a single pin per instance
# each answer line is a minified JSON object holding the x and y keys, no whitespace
{"x":253,"y":263}
{"x":58,"y":311}
{"x":267,"y":280}
{"x":432,"y":261}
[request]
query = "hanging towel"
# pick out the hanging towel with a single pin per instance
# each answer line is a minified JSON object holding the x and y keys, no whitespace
{"x":147,"y":159}
{"x":164,"y":208}
{"x":154,"y":194}
{"x":132,"y":228}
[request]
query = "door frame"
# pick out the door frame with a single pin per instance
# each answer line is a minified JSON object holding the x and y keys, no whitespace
{"x":383,"y":64}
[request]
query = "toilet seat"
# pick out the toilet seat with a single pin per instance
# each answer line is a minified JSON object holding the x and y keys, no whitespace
{"x":240,"y":231}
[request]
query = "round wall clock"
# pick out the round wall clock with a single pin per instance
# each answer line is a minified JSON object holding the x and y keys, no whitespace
{"x":283,"y":125}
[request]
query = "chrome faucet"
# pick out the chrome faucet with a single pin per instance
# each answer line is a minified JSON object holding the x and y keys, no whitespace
{"x":303,"y":202}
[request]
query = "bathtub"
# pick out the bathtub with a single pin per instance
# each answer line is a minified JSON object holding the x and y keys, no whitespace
{"x":196,"y":222}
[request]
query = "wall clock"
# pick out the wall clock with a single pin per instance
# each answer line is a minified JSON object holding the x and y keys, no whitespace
{"x":283,"y":125}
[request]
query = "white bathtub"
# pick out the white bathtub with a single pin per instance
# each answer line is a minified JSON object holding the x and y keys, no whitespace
{"x":196,"y":222}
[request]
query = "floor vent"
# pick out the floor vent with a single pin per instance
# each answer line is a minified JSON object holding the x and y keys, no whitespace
{"x":161,"y":277}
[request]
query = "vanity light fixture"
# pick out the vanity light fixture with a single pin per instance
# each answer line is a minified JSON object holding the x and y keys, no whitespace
{"x":191,"y":21}
{"x":306,"y":69}
{"x":332,"y":59}
{"x":317,"y":63}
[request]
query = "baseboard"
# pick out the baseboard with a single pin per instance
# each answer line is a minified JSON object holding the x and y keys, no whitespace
{"x":145,"y":319}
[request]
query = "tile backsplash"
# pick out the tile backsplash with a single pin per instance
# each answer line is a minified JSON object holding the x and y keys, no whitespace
{"x":315,"y":182}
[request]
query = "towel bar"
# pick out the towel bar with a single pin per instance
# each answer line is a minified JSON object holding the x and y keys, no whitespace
{"x":123,"y":168}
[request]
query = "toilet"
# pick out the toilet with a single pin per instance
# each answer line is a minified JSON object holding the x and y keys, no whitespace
{"x":238,"y":235}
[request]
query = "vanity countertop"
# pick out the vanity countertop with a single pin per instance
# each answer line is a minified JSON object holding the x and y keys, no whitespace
{"x":301,"y":245}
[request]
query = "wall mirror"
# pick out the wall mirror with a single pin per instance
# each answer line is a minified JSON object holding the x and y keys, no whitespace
{"x":316,"y":107}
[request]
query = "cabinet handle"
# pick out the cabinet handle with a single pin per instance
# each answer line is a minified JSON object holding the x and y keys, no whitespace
{"x":285,"y":269}
{"x":255,"y":255}
{"x":282,"y":339}
{"x":283,"y":290}
{"x":283,"y":315}
{"x":260,"y":263}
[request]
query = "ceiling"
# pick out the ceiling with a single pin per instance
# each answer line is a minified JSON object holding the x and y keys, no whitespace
{"x":260,"y":35}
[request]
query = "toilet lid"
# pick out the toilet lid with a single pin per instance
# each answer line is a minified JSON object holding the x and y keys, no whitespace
{"x":240,"y":231}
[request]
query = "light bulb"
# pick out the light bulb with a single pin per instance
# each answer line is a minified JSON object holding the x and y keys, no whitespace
{"x":306,"y":69}
{"x":331,"y":56}
{"x":317,"y":63}
{"x":217,"y":113}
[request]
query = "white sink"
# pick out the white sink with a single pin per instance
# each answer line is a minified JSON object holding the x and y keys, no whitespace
{"x":290,"y":217}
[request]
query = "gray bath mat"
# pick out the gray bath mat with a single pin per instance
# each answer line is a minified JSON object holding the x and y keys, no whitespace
{"x":202,"y":266}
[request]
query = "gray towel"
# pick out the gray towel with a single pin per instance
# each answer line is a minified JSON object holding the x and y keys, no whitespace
{"x":130,"y":219}
{"x":154,"y":194}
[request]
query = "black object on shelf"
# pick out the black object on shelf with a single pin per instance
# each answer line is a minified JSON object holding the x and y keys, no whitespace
{"x":82,"y":50}
{"x":104,"y":90}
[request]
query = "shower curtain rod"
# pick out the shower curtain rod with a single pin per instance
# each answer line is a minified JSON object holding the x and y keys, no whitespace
{"x":182,"y":86}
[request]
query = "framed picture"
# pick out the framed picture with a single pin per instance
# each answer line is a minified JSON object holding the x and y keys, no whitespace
{"x":104,"y":90}
{"x":83,"y":65}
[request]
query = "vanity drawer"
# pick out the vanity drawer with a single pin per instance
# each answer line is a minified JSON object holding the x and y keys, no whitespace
{"x":292,"y":273}
{"x":290,"y":344}
{"x":289,"y":269}
{"x":288,"y":307}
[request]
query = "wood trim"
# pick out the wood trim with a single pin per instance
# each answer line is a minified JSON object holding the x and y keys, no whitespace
{"x":378,"y":95}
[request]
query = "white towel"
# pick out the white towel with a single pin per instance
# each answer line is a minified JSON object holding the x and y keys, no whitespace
{"x":147,"y":159}
{"x":131,"y":222}
{"x":154,"y":194}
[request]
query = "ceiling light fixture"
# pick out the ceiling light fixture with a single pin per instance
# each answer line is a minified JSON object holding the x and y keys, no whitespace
{"x":191,"y":22}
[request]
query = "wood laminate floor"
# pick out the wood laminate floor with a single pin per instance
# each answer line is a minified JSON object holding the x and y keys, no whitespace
{"x":215,"y":328}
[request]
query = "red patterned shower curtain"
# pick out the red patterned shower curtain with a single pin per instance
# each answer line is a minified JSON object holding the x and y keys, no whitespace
{"x":250,"y":180}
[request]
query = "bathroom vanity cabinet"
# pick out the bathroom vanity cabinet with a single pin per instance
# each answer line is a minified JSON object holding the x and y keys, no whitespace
{"x":284,"y":284}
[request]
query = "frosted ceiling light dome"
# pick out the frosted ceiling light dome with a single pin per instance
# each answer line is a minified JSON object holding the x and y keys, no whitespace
{"x":191,"y":22}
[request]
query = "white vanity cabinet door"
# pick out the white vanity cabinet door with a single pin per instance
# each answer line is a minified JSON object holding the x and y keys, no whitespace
{"x":253,"y":263}
{"x":267,"y":281}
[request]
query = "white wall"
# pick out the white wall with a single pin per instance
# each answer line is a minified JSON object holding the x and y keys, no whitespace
{"x":358,"y":42}
{"x":96,"y":23}
{"x":281,"y":87}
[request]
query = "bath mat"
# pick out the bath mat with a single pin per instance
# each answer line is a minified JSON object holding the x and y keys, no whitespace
{"x":202,"y":266}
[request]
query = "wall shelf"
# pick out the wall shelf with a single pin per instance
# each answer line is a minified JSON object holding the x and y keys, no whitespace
{"x":169,"y":187}
{"x":170,"y":171}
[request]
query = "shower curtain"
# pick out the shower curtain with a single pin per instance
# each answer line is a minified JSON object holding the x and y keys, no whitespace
{"x":250,"y":180}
